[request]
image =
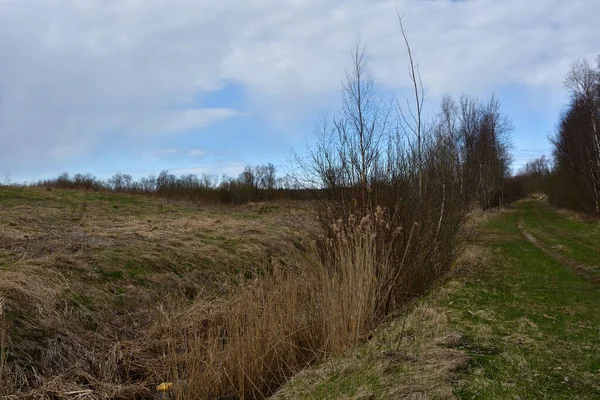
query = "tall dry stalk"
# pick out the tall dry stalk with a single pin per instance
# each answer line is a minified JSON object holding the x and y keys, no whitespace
{"x":250,"y":343}
{"x":2,"y":345}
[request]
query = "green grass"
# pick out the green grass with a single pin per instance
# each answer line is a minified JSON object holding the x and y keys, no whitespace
{"x":540,"y":317}
{"x":527,"y":323}
{"x":576,"y":240}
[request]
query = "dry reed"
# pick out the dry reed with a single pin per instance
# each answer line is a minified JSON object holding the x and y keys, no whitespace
{"x":249,"y":344}
{"x":2,"y":346}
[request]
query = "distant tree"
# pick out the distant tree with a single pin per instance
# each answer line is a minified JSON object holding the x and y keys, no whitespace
{"x":209,"y":181}
{"x":478,"y":140}
{"x":64,"y":181}
{"x":577,"y":142}
{"x":86,"y":182}
{"x":165,"y":181}
{"x":258,"y":177}
{"x":535,"y":174}
{"x":148,"y":184}
{"x":268,"y":177}
{"x":247,"y":177}
{"x":120,"y":182}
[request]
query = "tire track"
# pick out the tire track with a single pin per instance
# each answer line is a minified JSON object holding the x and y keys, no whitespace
{"x":561,"y":234}
{"x":590,"y":273}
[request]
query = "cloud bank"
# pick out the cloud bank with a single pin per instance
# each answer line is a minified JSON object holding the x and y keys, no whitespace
{"x":76,"y":74}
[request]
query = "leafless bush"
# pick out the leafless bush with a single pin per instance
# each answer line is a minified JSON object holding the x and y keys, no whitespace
{"x":367,"y":163}
{"x":85,"y":182}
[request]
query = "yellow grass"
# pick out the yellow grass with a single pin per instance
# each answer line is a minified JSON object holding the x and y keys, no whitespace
{"x":87,"y":278}
{"x":3,"y":387}
{"x":249,"y":344}
{"x":118,"y":294}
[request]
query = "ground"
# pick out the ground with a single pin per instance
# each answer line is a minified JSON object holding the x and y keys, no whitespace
{"x":517,"y":319}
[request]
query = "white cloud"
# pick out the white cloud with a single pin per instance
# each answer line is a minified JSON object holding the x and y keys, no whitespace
{"x":196,"y":152}
{"x":75,"y":73}
{"x":229,"y":168}
{"x":156,"y":122}
{"x":159,"y":153}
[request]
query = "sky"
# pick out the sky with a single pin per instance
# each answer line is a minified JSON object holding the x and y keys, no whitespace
{"x":206,"y":86}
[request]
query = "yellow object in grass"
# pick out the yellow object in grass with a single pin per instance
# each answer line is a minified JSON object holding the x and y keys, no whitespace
{"x":165,"y":387}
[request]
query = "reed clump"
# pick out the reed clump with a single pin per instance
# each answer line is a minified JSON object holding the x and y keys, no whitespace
{"x":250,"y":343}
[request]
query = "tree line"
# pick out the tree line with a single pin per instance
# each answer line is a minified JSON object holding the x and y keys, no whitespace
{"x":575,"y":181}
{"x":255,"y":183}
{"x":571,"y":179}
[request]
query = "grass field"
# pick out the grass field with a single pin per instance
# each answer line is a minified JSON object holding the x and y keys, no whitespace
{"x":95,"y":286}
{"x":86,"y":277}
{"x":518,"y":319}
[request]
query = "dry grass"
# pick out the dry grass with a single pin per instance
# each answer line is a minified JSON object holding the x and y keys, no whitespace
{"x":86,"y":277}
{"x":249,"y":344}
{"x":411,"y":357}
{"x":109,"y":295}
{"x":3,"y":386}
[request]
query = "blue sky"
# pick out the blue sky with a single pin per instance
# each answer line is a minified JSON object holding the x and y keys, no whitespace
{"x":203,"y":86}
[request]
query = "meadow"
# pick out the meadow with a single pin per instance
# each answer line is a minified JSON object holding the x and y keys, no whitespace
{"x":89,"y":280}
{"x":108,"y":295}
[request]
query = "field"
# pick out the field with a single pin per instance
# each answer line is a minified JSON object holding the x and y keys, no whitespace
{"x":87,"y":277}
{"x":102,"y":289}
{"x":517,"y":319}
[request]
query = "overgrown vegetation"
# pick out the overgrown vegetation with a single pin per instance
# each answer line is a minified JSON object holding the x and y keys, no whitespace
{"x":423,"y":177}
{"x":88,"y":278}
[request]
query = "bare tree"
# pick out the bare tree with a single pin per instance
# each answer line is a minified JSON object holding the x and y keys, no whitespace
{"x":482,"y":137}
{"x":361,"y":124}
{"x":368,"y":173}
{"x":415,"y":124}
{"x":577,"y":142}
{"x":268,"y":179}
{"x":349,"y":149}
